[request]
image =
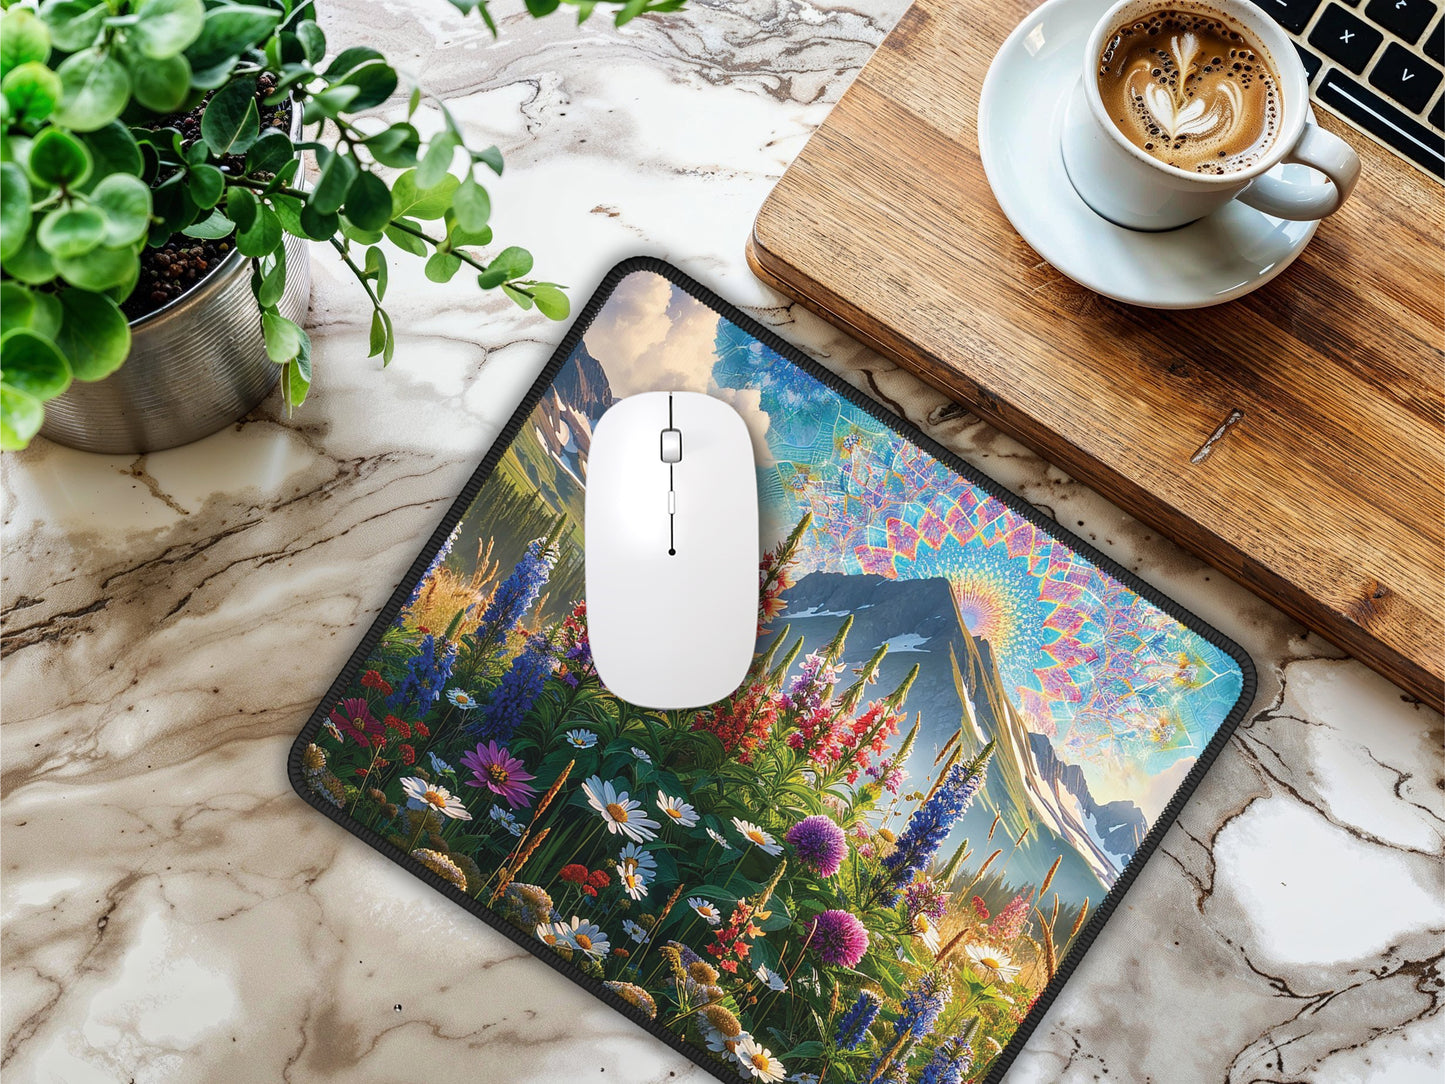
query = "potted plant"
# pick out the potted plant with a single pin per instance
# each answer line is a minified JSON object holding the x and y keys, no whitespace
{"x":155,"y":218}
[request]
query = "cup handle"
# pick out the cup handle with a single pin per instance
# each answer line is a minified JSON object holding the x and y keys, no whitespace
{"x":1327,"y":153}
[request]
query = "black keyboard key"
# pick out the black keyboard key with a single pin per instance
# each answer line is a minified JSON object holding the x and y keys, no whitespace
{"x":1435,"y":43}
{"x":1346,"y":38}
{"x":1405,"y":77}
{"x":1377,"y":116}
{"x":1293,"y":15}
{"x":1312,"y":63}
{"x":1407,"y":18}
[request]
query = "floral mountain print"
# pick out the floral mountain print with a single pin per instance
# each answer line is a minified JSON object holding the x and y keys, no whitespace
{"x":869,"y":861}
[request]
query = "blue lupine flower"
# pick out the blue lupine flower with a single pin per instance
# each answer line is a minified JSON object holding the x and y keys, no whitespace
{"x":518,"y":592}
{"x":930,"y":824}
{"x":921,"y":1006}
{"x":436,"y":562}
{"x":426,"y":673}
{"x":949,"y":1062}
{"x":515,"y":694}
{"x":853,"y":1027}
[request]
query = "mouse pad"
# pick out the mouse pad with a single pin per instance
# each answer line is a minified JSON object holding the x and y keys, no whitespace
{"x":878,"y":860}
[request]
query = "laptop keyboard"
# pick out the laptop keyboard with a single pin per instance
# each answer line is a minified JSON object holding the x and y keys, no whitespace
{"x":1378,"y":64}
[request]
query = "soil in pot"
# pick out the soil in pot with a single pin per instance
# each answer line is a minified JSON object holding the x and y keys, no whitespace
{"x":175,"y":267}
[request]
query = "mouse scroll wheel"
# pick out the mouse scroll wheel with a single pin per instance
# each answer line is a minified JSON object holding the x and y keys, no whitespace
{"x":672,"y":445}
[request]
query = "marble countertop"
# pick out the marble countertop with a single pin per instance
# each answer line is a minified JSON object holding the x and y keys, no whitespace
{"x":173,"y":912}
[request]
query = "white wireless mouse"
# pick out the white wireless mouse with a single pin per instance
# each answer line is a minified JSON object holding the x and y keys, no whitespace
{"x":671,"y":532}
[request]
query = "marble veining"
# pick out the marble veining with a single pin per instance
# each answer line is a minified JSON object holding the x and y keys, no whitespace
{"x":172,"y":912}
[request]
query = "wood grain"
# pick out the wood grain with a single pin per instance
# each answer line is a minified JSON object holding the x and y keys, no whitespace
{"x":1294,"y":438}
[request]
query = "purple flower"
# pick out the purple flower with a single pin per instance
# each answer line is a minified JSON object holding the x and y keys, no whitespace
{"x":814,"y":681}
{"x":930,"y":824}
{"x":511,"y":601}
{"x":838,"y":938}
{"x":820,"y":844}
{"x":853,"y":1027}
{"x":889,"y":775}
{"x":501,"y":773}
{"x":925,"y":897}
{"x":921,"y":1006}
{"x":426,"y":672}
{"x":353,"y":715}
{"x":515,"y":694}
{"x":950,"y":1061}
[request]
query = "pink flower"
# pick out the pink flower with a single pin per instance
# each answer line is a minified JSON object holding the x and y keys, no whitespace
{"x":838,"y":938}
{"x":820,"y":844}
{"x":500,"y":772}
{"x":353,"y":715}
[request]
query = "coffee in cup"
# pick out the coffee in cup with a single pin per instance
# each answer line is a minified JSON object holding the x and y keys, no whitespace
{"x":1191,"y":89}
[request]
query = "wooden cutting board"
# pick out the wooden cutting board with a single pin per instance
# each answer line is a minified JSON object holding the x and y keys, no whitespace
{"x":1296,"y":440}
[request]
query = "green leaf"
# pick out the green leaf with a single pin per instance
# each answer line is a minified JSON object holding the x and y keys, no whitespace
{"x":94,"y":89}
{"x":71,"y":231}
{"x":539,"y":8}
{"x":368,"y":202}
{"x":436,"y":161}
{"x":14,"y":208}
{"x":125,"y":201}
{"x":412,"y":102}
{"x":231,"y":122}
{"x":92,"y":334}
{"x":263,"y":235}
{"x":74,"y":24}
{"x":21,"y":416}
{"x":114,"y":150}
{"x":442,"y":266}
{"x":269,"y":153}
{"x":165,"y":27}
{"x":29,"y":262}
{"x":229,"y":30}
{"x":313,"y":40}
{"x":395,"y":146}
{"x":375,"y":83}
{"x":206,"y":185}
{"x":33,"y":364}
{"x":411,"y":199}
{"x":21,"y":307}
{"x":319,"y":225}
{"x":378,"y":333}
{"x":58,"y":159}
{"x":510,"y":263}
{"x":213,"y":227}
{"x":407,"y":242}
{"x":296,"y":375}
{"x":283,"y":337}
{"x":32,"y":91}
{"x":288,"y":210}
{"x":629,"y":11}
{"x":273,"y":279}
{"x":458,"y":237}
{"x":337,"y":172}
{"x":520,"y":297}
{"x":472,"y":205}
{"x":100,"y":268}
{"x":491,"y":157}
{"x":241,"y":207}
{"x":376,"y":269}
{"x":161,"y":85}
{"x":328,"y":103}
{"x":810,"y":1049}
{"x":24,"y":39}
{"x":551,"y":302}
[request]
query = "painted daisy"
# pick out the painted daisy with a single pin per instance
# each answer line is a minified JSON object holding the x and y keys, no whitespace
{"x":587,"y":937}
{"x":990,"y":963}
{"x":423,"y":795}
{"x":506,"y":820}
{"x":440,"y":766}
{"x":757,"y":837}
{"x":581,"y":739}
{"x":635,"y":857}
{"x":634,"y":931}
{"x":641,"y":754}
{"x":718,"y":837}
{"x":553,"y":933}
{"x":633,"y":881}
{"x":465,"y":701}
{"x":621,"y":814}
{"x":770,"y":978}
{"x":706,"y":910}
{"x":759,"y":1061}
{"x":676,"y":810}
{"x":494,"y":768}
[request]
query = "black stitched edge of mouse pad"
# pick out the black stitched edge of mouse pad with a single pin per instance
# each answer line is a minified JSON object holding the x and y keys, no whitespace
{"x":964,"y":732}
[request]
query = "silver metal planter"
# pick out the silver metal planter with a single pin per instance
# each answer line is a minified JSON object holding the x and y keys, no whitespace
{"x":195,"y":366}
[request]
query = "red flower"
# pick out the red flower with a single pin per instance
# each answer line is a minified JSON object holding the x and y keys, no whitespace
{"x":372,"y":680}
{"x":598,"y":878}
{"x":408,"y":755}
{"x":980,"y":909}
{"x":742,"y":723}
{"x":589,"y":890}
{"x":730,"y":966}
{"x":420,"y":728}
{"x":423,"y":630}
{"x":574,"y":873}
{"x":401,"y":726}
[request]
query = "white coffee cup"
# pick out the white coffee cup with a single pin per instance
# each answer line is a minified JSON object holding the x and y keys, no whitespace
{"x":1128,"y":186}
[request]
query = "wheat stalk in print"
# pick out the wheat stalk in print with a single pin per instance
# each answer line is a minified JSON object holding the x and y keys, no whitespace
{"x":994,"y":826}
{"x":510,"y":870}
{"x":1051,"y":963}
{"x":1049,"y":877}
{"x":552,"y":791}
{"x":1079,"y":922}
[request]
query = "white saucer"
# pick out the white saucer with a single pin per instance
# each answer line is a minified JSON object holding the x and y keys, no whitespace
{"x":1222,"y":256}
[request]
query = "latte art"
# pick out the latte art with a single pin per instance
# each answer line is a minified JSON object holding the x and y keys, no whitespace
{"x":1190,"y":90}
